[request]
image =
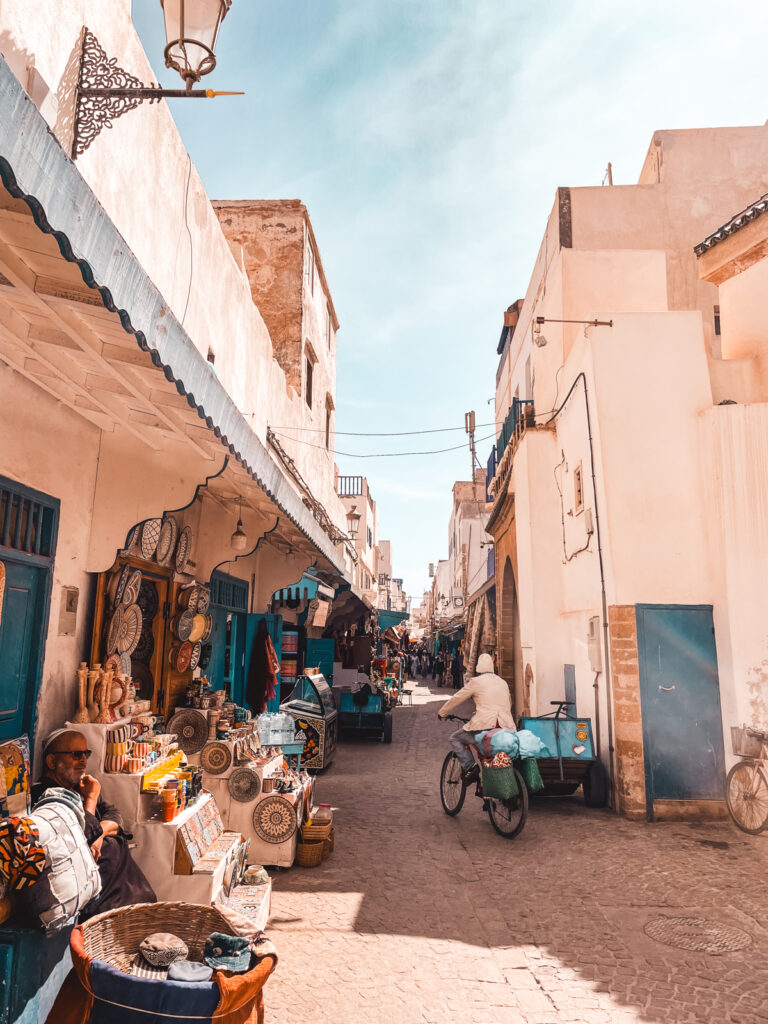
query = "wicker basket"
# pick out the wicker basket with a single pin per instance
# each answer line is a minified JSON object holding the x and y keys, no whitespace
{"x":329,"y":843}
{"x":746,"y":741}
{"x":316,"y":832}
{"x":115,"y":936}
{"x":309,"y":855}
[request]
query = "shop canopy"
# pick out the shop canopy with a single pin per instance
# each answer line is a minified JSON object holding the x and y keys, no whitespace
{"x":388,"y":618}
{"x":82,"y":320}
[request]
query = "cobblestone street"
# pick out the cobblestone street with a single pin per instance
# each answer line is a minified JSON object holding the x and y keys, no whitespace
{"x":419,"y":917}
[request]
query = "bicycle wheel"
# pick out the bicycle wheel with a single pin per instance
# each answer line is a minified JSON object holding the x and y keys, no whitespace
{"x":747,"y":797}
{"x":452,"y":788}
{"x":508,"y":816}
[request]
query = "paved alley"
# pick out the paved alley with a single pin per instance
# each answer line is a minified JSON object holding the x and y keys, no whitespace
{"x":417,"y":917}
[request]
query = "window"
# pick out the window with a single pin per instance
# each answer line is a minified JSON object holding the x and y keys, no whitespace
{"x":310,"y":370}
{"x":327,"y":428}
{"x":717,"y":320}
{"x":369,"y":536}
{"x":578,"y":489}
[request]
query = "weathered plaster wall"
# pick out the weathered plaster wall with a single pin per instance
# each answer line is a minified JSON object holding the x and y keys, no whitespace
{"x":628,"y":722}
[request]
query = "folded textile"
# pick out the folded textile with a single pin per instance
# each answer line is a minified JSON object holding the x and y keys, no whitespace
{"x":22,"y":856}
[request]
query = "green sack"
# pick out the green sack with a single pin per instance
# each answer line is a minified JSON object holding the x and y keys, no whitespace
{"x":529,"y":769}
{"x":500,"y":783}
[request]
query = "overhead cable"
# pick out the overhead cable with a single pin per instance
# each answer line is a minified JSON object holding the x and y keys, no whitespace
{"x":398,"y":433}
{"x":376,"y":455}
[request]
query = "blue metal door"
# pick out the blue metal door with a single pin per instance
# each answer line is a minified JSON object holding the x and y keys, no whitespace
{"x":680,"y":699}
{"x":21,"y":622}
{"x":320,"y":653}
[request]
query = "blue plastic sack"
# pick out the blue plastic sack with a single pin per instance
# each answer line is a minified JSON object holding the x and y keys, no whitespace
{"x":531,"y":745}
{"x":501,"y":740}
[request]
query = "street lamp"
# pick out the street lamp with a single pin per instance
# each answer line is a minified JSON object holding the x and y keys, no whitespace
{"x":191,"y":27}
{"x":353,"y":521}
{"x":105,"y":91}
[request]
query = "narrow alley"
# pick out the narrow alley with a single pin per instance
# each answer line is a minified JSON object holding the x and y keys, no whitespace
{"x":417,"y":917}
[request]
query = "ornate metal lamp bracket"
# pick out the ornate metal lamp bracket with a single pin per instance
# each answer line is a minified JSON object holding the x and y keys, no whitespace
{"x":105,"y":91}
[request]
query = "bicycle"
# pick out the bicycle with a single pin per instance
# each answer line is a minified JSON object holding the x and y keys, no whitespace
{"x":746,"y":792}
{"x":507,"y":816}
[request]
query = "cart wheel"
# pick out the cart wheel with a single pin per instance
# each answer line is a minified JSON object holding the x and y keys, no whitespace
{"x":595,"y":785}
{"x":387,"y":734}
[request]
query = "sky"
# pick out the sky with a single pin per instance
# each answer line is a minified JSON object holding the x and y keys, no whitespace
{"x":427,"y":138}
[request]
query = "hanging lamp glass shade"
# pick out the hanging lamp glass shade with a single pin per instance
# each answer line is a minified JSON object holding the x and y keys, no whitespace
{"x":191,"y":28}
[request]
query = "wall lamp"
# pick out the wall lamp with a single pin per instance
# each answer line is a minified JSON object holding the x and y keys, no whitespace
{"x":105,"y":91}
{"x":541,"y":341}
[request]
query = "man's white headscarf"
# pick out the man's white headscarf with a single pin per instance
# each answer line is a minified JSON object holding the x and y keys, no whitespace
{"x":484,"y":664}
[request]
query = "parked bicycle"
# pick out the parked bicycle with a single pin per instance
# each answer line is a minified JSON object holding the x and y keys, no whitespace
{"x":746,"y":792}
{"x":507,"y":816}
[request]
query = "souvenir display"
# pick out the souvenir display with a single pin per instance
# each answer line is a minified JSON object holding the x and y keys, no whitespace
{"x":244,"y":785}
{"x":313,"y":709}
{"x":208,"y":628}
{"x":188,"y":598}
{"x":133,"y":537}
{"x":125,"y":663}
{"x":183,"y":545}
{"x":150,"y":535}
{"x":81,"y":715}
{"x":191,"y":727}
{"x":15,"y":782}
{"x":181,"y":656}
{"x":194,"y":660}
{"x":148,"y":600}
{"x":274,"y":819}
{"x":166,"y":542}
{"x":118,"y":584}
{"x":199,"y":624}
{"x":203,"y":600}
{"x":216,"y":758}
{"x":142,"y":677}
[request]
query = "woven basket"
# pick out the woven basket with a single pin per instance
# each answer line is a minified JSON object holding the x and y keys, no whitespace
{"x":115,"y":936}
{"x":316,"y":832}
{"x":309,"y":855}
{"x":500,"y":783}
{"x":329,"y":843}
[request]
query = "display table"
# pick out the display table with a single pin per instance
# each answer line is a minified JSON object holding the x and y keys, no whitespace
{"x":271,"y":822}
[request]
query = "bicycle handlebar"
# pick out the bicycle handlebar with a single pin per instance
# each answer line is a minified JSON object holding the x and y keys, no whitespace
{"x":456,"y":718}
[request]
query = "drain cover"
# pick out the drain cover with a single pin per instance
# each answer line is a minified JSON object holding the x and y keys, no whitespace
{"x":697,"y":934}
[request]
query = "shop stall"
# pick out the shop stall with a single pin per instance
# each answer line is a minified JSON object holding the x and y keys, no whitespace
{"x":313,"y":709}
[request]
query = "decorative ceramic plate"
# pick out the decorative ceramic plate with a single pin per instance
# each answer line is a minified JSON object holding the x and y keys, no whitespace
{"x":203,"y":600}
{"x":194,"y":660}
{"x":145,"y":648}
{"x":191,"y":727}
{"x":119,"y":581}
{"x":166,"y":542}
{"x":198,"y":628}
{"x":244,"y":785}
{"x":148,"y":601}
{"x":183,"y":655}
{"x":132,"y":588}
{"x":208,"y":628}
{"x":182,"y":625}
{"x":216,"y":758}
{"x":125,"y":663}
{"x":183,"y":545}
{"x":274,"y":819}
{"x":114,"y":629}
{"x":130,"y":629}
{"x":150,"y":535}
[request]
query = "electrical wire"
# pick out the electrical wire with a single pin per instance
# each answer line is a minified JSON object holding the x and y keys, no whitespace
{"x":377,"y":455}
{"x":399,"y":433}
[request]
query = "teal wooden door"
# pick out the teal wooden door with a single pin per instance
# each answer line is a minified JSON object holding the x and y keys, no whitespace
{"x":680,"y":698}
{"x":21,"y":624}
{"x":320,"y":653}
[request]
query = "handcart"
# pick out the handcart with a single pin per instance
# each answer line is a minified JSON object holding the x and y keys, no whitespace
{"x":572,"y":761}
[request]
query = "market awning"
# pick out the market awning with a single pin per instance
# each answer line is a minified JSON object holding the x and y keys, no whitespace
{"x":389,"y":618}
{"x":83,"y":321}
{"x":488,"y":585}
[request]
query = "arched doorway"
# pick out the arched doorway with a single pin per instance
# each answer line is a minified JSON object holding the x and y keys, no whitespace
{"x":511,"y":666}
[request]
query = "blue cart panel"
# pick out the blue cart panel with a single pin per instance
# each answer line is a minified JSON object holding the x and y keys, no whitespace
{"x":569,"y":738}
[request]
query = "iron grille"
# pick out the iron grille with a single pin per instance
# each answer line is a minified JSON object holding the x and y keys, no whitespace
{"x":229,"y":592}
{"x":27,"y":522}
{"x":349,"y":486}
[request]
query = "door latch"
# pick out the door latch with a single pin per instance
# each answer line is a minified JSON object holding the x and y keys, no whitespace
{"x":666,"y":688}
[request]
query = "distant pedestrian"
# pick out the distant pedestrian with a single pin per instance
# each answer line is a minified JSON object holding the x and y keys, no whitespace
{"x":457,"y":670}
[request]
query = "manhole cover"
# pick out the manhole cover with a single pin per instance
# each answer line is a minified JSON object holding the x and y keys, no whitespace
{"x":697,"y":934}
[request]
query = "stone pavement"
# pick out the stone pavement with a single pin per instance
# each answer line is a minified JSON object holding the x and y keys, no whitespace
{"x":417,"y":917}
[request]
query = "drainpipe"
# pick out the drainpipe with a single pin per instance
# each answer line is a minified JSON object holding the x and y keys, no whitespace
{"x":604,"y":602}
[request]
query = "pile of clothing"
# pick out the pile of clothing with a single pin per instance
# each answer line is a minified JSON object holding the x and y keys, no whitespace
{"x":165,"y":956}
{"x":516,"y":744}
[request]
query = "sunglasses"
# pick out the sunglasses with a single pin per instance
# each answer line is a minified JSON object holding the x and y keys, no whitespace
{"x":75,"y":754}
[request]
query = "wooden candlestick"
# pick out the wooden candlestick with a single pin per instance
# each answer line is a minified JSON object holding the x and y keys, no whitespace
{"x":81,"y":716}
{"x":105,"y":715}
{"x":93,"y":676}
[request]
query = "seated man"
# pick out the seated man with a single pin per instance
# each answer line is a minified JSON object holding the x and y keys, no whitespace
{"x":122,"y":881}
{"x":493,"y":707}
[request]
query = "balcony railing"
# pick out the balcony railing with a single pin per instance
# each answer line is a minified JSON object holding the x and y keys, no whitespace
{"x":349,"y":486}
{"x":519,"y":417}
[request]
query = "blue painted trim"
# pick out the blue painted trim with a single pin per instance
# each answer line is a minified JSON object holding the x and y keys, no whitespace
{"x":35,"y":169}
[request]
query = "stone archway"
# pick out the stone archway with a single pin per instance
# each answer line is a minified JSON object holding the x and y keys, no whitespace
{"x":510,"y":650}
